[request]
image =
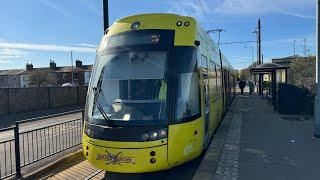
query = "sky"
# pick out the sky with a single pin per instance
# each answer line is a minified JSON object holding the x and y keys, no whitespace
{"x":36,"y":31}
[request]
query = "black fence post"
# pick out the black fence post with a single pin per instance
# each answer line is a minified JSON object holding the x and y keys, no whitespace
{"x":17,"y":149}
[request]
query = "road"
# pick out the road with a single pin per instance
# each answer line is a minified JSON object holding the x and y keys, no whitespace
{"x":39,"y":139}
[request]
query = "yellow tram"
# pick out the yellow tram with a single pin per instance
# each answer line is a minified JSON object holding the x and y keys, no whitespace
{"x":158,"y":90}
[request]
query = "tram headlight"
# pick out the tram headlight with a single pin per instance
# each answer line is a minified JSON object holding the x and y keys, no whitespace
{"x":145,"y":137}
{"x":155,"y":135}
{"x":88,"y":131}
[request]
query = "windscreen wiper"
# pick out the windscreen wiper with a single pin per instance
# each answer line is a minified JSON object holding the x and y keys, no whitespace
{"x":96,"y":102}
{"x":104,"y":114}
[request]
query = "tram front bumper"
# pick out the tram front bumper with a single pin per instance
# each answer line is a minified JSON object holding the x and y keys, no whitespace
{"x":126,"y":160}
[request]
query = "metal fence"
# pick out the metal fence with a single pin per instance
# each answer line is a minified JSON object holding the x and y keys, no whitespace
{"x":25,"y":147}
{"x":7,"y":155}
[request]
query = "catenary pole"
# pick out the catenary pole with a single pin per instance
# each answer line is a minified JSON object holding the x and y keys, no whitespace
{"x":219,"y":34}
{"x":105,"y":14}
{"x":317,"y":98}
{"x":259,"y":56}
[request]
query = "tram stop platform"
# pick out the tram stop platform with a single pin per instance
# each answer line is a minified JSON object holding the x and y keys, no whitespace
{"x":252,"y":142}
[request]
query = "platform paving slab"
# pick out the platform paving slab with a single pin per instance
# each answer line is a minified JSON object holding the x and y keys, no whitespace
{"x":273,"y":147}
{"x":263,"y":144}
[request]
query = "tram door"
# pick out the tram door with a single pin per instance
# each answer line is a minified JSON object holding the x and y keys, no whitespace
{"x":205,"y":83}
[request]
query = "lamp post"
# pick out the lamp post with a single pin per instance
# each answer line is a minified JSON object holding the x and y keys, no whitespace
{"x":256,"y":32}
{"x":251,"y":54}
{"x":251,"y":47}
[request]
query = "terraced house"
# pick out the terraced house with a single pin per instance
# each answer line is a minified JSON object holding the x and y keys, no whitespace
{"x":19,"y":78}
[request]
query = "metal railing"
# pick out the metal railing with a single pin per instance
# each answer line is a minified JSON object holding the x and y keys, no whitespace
{"x":7,"y":155}
{"x":26,"y":147}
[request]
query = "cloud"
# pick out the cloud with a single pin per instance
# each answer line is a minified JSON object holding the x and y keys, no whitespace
{"x":285,"y":42}
{"x":91,"y":6}
{"x":189,"y":8}
{"x":296,"y":8}
{"x":7,"y":56}
{"x":12,"y":53}
{"x":298,"y":15}
{"x":87,"y":45}
{"x":46,"y":47}
{"x":54,"y":6}
{"x":5,"y":61}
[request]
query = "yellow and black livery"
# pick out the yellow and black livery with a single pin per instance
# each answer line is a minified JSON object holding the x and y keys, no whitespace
{"x":158,"y":90}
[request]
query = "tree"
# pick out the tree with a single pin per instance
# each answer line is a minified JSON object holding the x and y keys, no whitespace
{"x":302,"y":73}
{"x":40,"y":78}
{"x":245,"y":74}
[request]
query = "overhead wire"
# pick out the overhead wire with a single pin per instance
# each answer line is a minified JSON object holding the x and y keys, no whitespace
{"x":205,"y":13}
{"x":238,"y":42}
{"x":210,"y":23}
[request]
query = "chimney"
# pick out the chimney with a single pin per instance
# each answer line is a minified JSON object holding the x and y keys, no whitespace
{"x":29,"y":67}
{"x":78,"y":63}
{"x":53,"y":65}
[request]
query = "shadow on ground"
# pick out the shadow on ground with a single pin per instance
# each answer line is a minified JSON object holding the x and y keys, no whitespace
{"x":185,"y":171}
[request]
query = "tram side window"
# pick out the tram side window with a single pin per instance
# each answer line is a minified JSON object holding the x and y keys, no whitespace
{"x":213,"y":81}
{"x":188,"y":99}
{"x":216,"y":80}
{"x":219,"y":81}
{"x":205,"y":75}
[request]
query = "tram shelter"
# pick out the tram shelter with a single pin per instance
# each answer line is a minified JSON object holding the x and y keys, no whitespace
{"x":275,"y":74}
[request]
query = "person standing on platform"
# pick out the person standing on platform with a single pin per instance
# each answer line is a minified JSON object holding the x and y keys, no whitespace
{"x":251,"y":87}
{"x":242,"y":84}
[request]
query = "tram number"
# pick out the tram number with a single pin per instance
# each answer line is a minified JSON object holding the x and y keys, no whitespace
{"x":188,"y":149}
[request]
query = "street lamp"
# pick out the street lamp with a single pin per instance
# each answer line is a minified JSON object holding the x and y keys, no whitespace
{"x":251,"y":53}
{"x":256,"y":32}
{"x":217,"y":31}
{"x":252,"y":76}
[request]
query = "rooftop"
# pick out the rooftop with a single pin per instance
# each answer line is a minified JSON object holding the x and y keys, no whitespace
{"x":267,"y":67}
{"x":65,"y":69}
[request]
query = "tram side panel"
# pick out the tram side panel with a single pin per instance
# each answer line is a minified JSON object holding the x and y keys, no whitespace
{"x":185,"y":141}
